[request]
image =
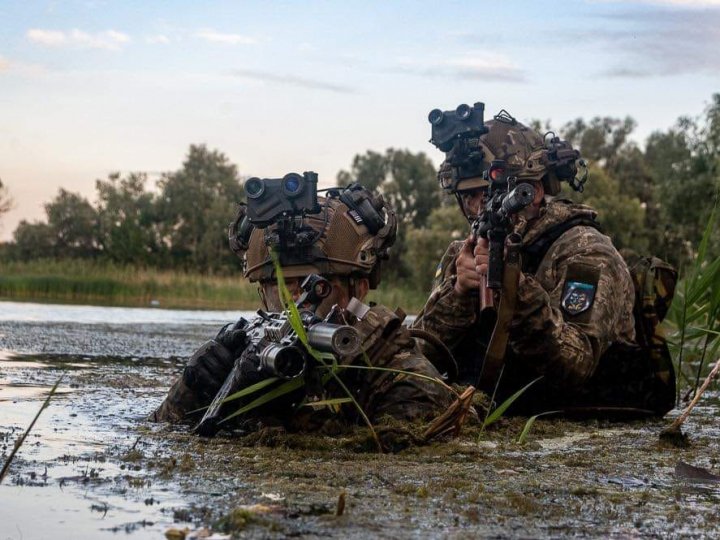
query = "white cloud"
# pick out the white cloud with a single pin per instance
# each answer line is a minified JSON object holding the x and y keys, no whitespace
{"x":111,"y":40}
{"x":486,"y":65}
{"x":159,"y":39}
{"x":227,"y":39}
{"x":4,"y":64}
{"x":471,"y":65}
{"x":51,"y":38}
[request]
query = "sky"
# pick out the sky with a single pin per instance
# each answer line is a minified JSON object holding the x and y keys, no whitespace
{"x":92,"y":87}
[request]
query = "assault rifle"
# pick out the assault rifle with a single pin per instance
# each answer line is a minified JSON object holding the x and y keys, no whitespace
{"x":505,"y":198}
{"x":273,"y":348}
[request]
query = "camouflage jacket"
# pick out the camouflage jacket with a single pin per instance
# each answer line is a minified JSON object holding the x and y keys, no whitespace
{"x":570,"y":310}
{"x":386,"y":344}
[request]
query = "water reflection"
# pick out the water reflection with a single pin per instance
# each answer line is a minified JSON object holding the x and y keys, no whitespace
{"x":31,"y":312}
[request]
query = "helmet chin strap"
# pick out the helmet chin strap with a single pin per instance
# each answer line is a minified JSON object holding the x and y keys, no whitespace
{"x":352,"y":290}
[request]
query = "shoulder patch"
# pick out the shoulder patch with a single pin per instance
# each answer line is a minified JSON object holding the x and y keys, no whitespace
{"x":438,"y":271}
{"x":577,"y":297}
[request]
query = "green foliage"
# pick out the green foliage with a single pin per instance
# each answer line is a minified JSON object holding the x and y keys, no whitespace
{"x":408,"y":182}
{"x":32,"y":241}
{"x":694,"y":315}
{"x":195,"y":205}
{"x":426,"y":245}
{"x":497,"y":413}
{"x":127,"y":224}
{"x":621,"y":216}
{"x":529,"y":424}
{"x":73,"y":222}
{"x":88,"y":281}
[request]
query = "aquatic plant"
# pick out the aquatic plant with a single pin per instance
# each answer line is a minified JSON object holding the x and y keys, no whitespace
{"x":22,"y":438}
{"x":496,"y":414}
{"x":694,"y":316}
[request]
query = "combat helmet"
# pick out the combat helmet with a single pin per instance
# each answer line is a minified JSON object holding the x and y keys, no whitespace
{"x":528,"y":156}
{"x":350,"y":236}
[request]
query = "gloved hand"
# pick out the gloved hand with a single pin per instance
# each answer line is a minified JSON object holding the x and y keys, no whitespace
{"x":232,"y":336}
{"x":210,"y":365}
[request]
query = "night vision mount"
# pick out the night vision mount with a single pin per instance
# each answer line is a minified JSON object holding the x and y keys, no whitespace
{"x":457,"y":133}
{"x":283,"y":201}
{"x":563,"y":159}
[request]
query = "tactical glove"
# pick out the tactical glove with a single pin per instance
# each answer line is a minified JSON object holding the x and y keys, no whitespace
{"x":210,"y":365}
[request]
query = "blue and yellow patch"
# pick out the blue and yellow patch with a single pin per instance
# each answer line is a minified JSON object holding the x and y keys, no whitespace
{"x":577,"y":297}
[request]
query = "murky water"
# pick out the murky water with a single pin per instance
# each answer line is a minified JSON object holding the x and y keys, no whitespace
{"x":93,"y":468}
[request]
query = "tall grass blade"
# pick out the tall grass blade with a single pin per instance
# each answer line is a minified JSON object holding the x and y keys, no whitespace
{"x":402,"y":372}
{"x":296,"y":323}
{"x":327,"y":403}
{"x":21,"y":440}
{"x":500,"y":410}
{"x":529,"y":424}
{"x":283,"y":389}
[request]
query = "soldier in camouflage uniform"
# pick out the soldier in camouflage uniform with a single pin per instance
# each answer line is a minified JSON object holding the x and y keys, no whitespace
{"x":349,"y":255}
{"x":573,"y":323}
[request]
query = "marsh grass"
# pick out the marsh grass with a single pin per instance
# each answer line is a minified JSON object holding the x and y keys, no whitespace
{"x":493,"y":415}
{"x":21,"y":440}
{"x":102,"y":283}
{"x":694,"y":316}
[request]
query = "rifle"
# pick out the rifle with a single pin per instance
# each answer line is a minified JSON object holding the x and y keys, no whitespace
{"x":505,"y":198}
{"x":273,"y":348}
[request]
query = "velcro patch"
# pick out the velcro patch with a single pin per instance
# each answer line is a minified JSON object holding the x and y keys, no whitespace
{"x":355,"y":216}
{"x":577,"y":297}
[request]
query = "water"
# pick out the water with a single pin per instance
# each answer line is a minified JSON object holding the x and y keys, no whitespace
{"x":94,"y":468}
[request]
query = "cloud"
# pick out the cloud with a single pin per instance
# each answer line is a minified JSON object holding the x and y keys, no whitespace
{"x":111,"y":40}
{"x":227,"y":39}
{"x":292,"y":80}
{"x":51,"y":38}
{"x":159,"y":39}
{"x":470,"y":66}
{"x":660,"y":42}
{"x":4,"y":64}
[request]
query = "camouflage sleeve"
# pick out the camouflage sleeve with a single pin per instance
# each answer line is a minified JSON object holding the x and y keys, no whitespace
{"x":405,"y":397}
{"x":446,"y":314}
{"x":577,"y":304}
{"x":179,"y":401}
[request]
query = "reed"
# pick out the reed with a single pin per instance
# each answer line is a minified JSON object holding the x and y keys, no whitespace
{"x":103,"y":283}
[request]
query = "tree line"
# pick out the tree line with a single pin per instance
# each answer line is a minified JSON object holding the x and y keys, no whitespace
{"x":657,"y":199}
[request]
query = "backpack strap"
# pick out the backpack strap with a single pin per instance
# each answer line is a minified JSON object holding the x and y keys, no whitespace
{"x":533,"y":253}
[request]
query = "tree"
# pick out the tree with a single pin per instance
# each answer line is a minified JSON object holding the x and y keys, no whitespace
{"x":407,"y":180}
{"x":409,"y":184}
{"x":73,"y":222}
{"x":6,"y":202}
{"x":196,"y":204}
{"x":621,"y":216}
{"x":685,"y":164}
{"x":425,"y":246}
{"x":127,"y":222}
{"x":33,"y":241}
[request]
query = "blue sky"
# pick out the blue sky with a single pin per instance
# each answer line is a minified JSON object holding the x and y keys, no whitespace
{"x":90,"y":87}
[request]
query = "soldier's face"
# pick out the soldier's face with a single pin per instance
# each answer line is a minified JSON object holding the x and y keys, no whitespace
{"x":339,"y":295}
{"x":473,"y":201}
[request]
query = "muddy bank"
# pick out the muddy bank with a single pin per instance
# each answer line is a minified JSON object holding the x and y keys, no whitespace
{"x":93,"y":468}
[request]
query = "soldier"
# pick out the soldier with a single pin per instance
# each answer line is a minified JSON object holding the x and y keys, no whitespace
{"x":573,"y":324}
{"x":348,"y":254}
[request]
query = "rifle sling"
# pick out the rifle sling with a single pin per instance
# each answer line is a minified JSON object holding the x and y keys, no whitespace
{"x":495,"y":354}
{"x":533,"y":253}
